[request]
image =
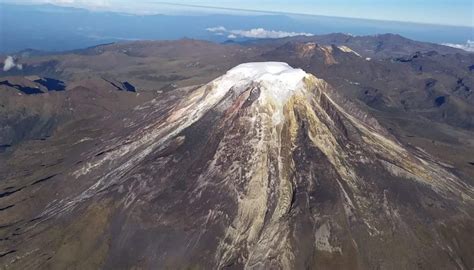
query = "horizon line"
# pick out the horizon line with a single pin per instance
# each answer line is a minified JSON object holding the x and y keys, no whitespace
{"x":269,"y":12}
{"x":302,"y":14}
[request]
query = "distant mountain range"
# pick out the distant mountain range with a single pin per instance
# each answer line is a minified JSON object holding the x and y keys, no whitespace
{"x":54,"y":28}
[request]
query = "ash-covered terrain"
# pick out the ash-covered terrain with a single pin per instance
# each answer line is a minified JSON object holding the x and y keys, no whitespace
{"x":325,"y":152}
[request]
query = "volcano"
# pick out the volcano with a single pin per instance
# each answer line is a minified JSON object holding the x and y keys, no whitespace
{"x":265,"y":167}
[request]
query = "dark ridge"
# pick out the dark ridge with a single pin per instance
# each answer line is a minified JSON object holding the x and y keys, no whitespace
{"x":471,"y":163}
{"x":100,"y":45}
{"x":461,"y":86}
{"x":431,"y":53}
{"x":17,"y":233}
{"x":430,"y":83}
{"x":410,"y":58}
{"x":101,"y":153}
{"x":229,"y":42}
{"x":49,"y":165}
{"x":6,"y":253}
{"x":93,"y":50}
{"x":439,"y":101}
{"x":24,"y":89}
{"x":123,"y":86}
{"x":113,"y":84}
{"x":4,"y":147}
{"x":52,"y":84}
{"x":129,"y":87}
{"x":35,"y":219}
{"x":43,"y":179}
{"x":7,"y":207}
{"x":11,"y":224}
{"x":104,"y":152}
{"x":8,"y":193}
{"x":253,"y":96}
{"x":403,"y":60}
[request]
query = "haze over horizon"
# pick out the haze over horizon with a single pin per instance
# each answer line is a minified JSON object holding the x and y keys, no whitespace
{"x":454,"y":13}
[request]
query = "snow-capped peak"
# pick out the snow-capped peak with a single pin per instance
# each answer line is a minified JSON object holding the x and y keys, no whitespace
{"x":277,"y":80}
{"x":268,"y":71}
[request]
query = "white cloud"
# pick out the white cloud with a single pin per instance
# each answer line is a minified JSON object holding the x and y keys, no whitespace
{"x":217,"y":29}
{"x":262,"y":33}
{"x":469,"y":46}
{"x":10,"y":63}
{"x":62,"y":1}
{"x":92,"y":4}
{"x":255,"y":33}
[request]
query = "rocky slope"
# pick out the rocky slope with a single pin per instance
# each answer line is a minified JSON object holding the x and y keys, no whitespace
{"x":32,"y":108}
{"x":424,"y":99}
{"x":265,"y":167}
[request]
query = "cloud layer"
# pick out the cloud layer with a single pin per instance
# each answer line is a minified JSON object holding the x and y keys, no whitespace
{"x":10,"y":63}
{"x":88,"y":4}
{"x":469,"y":46}
{"x":254,"y":33}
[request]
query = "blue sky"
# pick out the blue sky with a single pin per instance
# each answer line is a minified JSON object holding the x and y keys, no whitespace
{"x":448,"y":12}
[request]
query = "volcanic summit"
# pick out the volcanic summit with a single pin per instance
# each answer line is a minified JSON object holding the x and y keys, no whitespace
{"x":265,"y":167}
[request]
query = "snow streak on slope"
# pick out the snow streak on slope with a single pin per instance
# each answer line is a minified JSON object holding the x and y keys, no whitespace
{"x":277,"y":80}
